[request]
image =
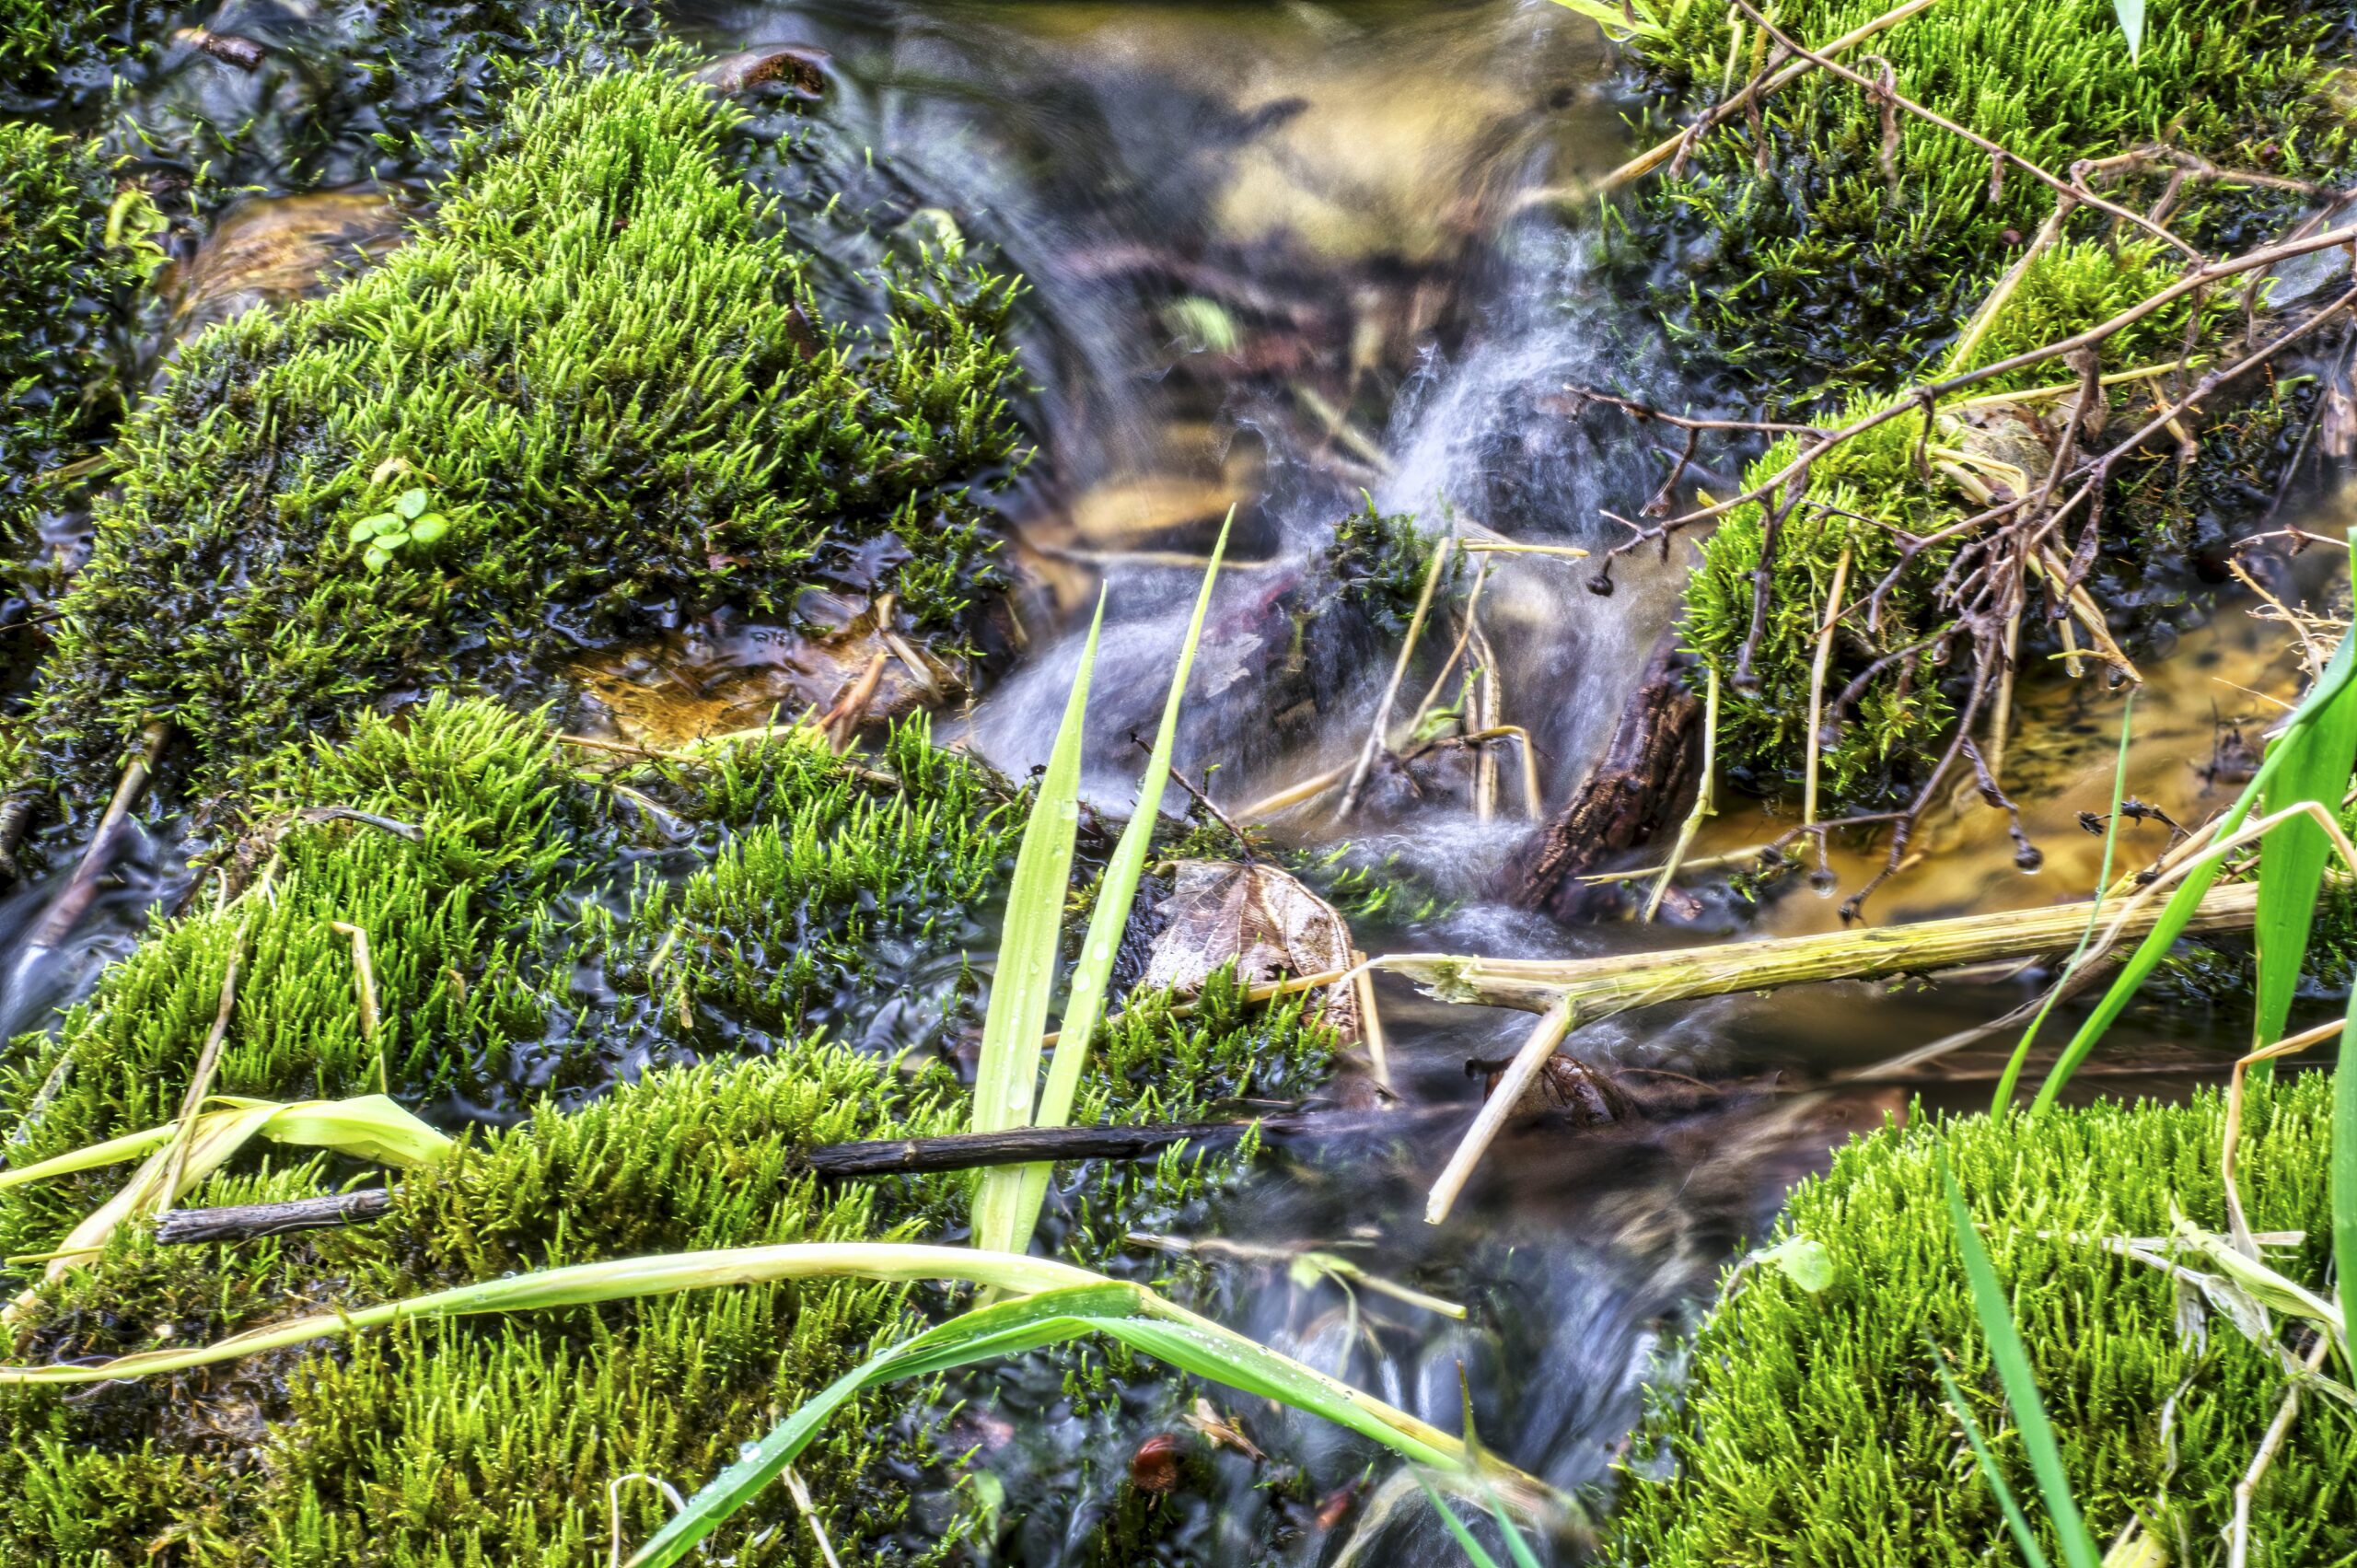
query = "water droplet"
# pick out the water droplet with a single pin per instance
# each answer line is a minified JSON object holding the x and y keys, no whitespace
{"x":748,"y":1451}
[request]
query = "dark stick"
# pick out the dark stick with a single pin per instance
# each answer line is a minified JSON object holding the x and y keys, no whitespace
{"x":1022,"y":1145}
{"x":885,"y":1157}
{"x":246,"y":1222}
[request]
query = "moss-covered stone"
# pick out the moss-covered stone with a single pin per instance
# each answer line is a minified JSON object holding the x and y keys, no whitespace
{"x":1812,"y":1428}
{"x":1868,"y":492}
{"x":606,"y":370}
{"x":515,"y":991}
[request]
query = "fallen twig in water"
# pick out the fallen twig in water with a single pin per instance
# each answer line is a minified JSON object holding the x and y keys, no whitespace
{"x":1568,"y":993}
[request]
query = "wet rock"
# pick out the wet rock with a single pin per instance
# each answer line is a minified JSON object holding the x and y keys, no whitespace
{"x":1565,"y":1086}
{"x":1261,"y":919}
{"x":228,"y":48}
{"x":690,"y":685}
{"x":269,"y":250}
{"x":800,"y":68}
{"x":1125,"y":514}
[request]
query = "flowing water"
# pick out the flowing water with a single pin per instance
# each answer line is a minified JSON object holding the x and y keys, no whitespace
{"x":1280,"y":256}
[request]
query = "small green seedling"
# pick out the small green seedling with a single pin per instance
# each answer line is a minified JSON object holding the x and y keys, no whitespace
{"x":408,"y":522}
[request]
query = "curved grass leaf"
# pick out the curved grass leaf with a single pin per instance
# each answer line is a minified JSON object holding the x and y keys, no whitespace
{"x":583,"y":1284}
{"x":2344,"y":1170}
{"x":1094,"y":974}
{"x":1006,"y":1078}
{"x":1131,"y":1314}
{"x":2023,"y":1535}
{"x":2316,"y":761}
{"x":1009,"y":1329}
{"x":2003,"y":1102}
{"x":2012,"y":1359}
{"x":2333,"y":687}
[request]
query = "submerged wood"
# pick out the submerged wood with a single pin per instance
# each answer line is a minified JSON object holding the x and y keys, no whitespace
{"x":1648,"y":771}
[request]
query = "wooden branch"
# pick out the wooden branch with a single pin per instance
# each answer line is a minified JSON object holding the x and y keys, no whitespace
{"x":1567,"y":993}
{"x":1633,"y":793}
{"x":885,"y":1157}
{"x":247,"y":1222}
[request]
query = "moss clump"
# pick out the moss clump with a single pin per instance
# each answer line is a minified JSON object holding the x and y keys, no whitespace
{"x":610,"y":373}
{"x":496,"y":1440}
{"x":1379,"y":561}
{"x":882,"y":883}
{"x":1869,"y":491}
{"x":60,"y":281}
{"x":1812,"y":1429}
{"x":47,"y":47}
{"x":1815,"y":269}
{"x":1830,"y":269}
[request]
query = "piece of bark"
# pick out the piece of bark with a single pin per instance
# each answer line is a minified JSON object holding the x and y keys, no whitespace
{"x":1642,"y":786}
{"x":247,"y":1222}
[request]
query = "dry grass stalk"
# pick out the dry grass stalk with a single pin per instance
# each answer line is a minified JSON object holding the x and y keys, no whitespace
{"x":1376,"y":732}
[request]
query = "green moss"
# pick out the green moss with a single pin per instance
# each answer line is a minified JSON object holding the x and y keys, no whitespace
{"x":496,"y":1440}
{"x":608,"y":370}
{"x":43,"y":41}
{"x":1821,"y":270}
{"x":2156,"y":511}
{"x":1379,"y":561}
{"x":60,"y":283}
{"x":1812,"y":1428}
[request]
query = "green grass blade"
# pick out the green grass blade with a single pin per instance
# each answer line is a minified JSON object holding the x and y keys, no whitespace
{"x":1128,"y":1313}
{"x":1011,"y":1327}
{"x":2002,"y":1104}
{"x":2344,"y":1170}
{"x":1474,"y":1551}
{"x":1094,"y":974}
{"x":2024,"y":1537}
{"x":2131,"y":22}
{"x":1516,"y":1548}
{"x":2177,"y":913}
{"x":2317,"y":762}
{"x":1006,"y":1079}
{"x":2012,"y":1359}
{"x":1204,"y":1348}
{"x":579,"y":1284}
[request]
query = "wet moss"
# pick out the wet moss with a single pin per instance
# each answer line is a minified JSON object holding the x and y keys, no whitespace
{"x":2158,"y":512}
{"x":49,"y":47}
{"x":61,"y":283}
{"x":1813,"y":1429}
{"x":607,"y":371}
{"x":1817,"y":271}
{"x":1828,"y":268}
{"x":1379,"y":561}
{"x":502,"y":1003}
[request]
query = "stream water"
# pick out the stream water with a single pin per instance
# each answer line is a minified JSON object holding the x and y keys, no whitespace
{"x":1279,"y":255}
